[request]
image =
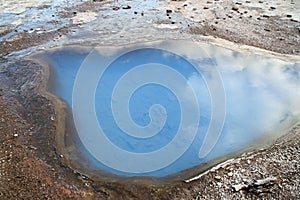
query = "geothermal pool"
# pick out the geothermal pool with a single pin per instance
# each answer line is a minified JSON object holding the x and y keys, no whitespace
{"x":160,"y":108}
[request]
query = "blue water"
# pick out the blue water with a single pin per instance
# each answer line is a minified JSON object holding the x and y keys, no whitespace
{"x":160,"y":109}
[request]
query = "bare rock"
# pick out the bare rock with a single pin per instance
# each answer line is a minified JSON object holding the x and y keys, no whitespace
{"x":254,"y":184}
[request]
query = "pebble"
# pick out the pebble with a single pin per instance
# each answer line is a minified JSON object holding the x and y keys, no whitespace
{"x":168,"y":11}
{"x":126,"y":7}
{"x":230,"y":174}
{"x":235,"y":8}
{"x":32,"y":147}
{"x":16,"y":135}
{"x":294,"y":20}
{"x":218,"y":177}
{"x":116,"y":8}
{"x":238,"y":187}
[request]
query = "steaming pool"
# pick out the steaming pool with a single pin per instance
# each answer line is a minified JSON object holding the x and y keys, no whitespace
{"x":160,"y":108}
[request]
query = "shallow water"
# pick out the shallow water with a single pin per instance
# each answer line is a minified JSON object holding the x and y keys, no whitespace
{"x":30,"y":15}
{"x":159,"y":108}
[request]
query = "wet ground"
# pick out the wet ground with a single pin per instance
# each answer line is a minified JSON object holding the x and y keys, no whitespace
{"x":31,"y":164}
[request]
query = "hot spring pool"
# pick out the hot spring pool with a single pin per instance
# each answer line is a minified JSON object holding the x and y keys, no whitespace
{"x":160,"y":108}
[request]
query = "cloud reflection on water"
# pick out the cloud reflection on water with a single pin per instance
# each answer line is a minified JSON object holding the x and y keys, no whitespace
{"x":262,"y":98}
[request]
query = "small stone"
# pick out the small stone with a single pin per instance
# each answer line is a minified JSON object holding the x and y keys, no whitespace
{"x":126,"y":7}
{"x":272,"y":8}
{"x":260,"y":2}
{"x":116,"y":8}
{"x":239,"y":187}
{"x":235,"y":8}
{"x":288,"y":15}
{"x":265,"y":181}
{"x":168,"y":11}
{"x":245,"y":180}
{"x":205,"y":8}
{"x":16,"y":135}
{"x":32,"y":147}
{"x":230,"y":174}
{"x":135,"y":12}
{"x":218,"y":177}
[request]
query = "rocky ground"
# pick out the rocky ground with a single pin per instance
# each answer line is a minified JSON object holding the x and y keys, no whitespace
{"x":30,"y":166}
